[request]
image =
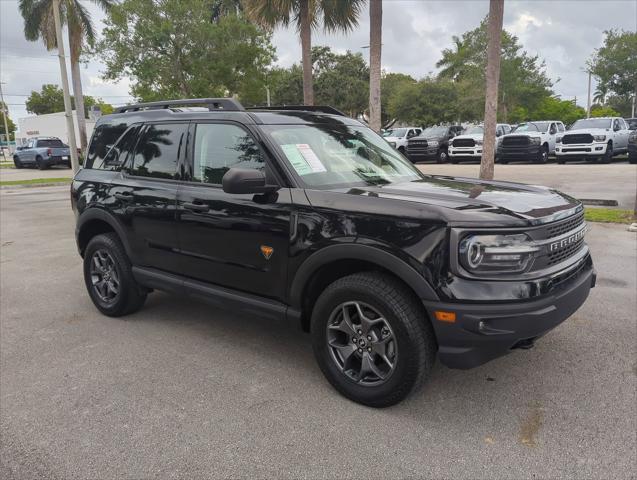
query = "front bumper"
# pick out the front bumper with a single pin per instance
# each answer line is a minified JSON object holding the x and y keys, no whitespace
{"x":466,"y":153}
{"x":428,"y":153}
{"x":524,"y":152}
{"x":482,"y":332}
{"x":581,"y":150}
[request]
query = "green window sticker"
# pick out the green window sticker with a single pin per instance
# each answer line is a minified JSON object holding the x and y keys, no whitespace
{"x":303,"y":158}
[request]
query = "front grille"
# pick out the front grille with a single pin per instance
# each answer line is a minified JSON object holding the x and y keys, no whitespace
{"x":561,"y":255}
{"x":417,"y":143}
{"x":572,"y":138}
{"x":558,"y":228}
{"x":516,"y":141}
{"x":464,"y":142}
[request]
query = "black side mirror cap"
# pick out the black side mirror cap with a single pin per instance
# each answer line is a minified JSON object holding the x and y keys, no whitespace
{"x":246,"y":180}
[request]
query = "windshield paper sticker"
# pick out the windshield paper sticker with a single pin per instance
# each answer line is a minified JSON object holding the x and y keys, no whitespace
{"x":303,"y":158}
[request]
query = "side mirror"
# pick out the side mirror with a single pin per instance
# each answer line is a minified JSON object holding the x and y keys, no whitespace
{"x":246,"y":180}
{"x":616,"y":128}
{"x":498,"y":134}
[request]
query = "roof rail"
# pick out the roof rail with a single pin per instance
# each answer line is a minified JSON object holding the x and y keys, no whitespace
{"x":306,"y":108}
{"x":228,"y":104}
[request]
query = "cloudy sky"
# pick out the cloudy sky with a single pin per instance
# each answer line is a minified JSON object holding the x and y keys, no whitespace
{"x":564,"y":33}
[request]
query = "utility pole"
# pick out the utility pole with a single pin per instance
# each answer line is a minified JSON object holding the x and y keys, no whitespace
{"x":267,"y":93}
{"x":588,"y":103}
{"x":494,"y":34}
{"x":6,"y":126}
{"x":68,"y":111}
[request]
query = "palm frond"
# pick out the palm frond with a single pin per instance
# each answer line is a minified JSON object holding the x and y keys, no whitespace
{"x":340,"y":15}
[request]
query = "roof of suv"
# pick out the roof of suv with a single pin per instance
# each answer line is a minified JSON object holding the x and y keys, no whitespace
{"x":228,"y":109}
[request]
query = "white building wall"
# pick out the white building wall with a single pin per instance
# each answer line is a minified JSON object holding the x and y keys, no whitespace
{"x":50,"y":125}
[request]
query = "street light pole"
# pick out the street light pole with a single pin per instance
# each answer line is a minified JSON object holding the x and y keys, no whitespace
{"x":6,"y":126}
{"x":68,"y":111}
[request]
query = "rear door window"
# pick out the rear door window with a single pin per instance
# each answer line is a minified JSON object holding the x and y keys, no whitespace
{"x":104,"y":137}
{"x":120,"y":152}
{"x":159,"y":149}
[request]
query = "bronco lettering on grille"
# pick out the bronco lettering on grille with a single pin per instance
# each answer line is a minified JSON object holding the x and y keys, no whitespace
{"x":565,"y":242}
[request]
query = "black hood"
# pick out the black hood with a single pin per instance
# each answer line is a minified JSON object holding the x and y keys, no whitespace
{"x":463,"y":199}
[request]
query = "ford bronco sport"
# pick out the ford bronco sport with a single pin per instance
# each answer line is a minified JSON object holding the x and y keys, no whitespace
{"x":305,"y":215}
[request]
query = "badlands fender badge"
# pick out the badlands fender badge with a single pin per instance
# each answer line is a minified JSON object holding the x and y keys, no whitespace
{"x":267,"y":251}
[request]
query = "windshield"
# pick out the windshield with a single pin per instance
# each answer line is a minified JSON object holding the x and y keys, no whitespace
{"x":533,"y":127}
{"x":474,"y":131}
{"x":434,"y":131}
{"x":395,"y":132}
{"x":341,"y":155}
{"x":591,"y":123}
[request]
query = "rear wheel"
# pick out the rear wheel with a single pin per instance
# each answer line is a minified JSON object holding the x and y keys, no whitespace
{"x":109,"y":278}
{"x":40,"y":163}
{"x":371,"y":339}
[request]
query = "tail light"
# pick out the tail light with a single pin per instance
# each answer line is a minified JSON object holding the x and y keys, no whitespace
{"x":49,"y":152}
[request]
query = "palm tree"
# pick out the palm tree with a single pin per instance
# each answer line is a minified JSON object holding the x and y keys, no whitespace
{"x":337,"y":15}
{"x":375,"y":49}
{"x":600,"y":94}
{"x":38,"y":24}
{"x":494,"y":35}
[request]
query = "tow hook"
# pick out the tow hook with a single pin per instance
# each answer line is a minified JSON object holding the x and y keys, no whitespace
{"x":525,"y":344}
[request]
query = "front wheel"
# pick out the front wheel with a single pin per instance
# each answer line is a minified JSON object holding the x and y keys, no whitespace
{"x":372,"y":339}
{"x":17,"y":162}
{"x":109,"y":278}
{"x":442,"y":156}
{"x":543,"y":154}
{"x":608,"y":156}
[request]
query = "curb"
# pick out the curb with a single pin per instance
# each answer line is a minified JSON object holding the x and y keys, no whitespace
{"x":19,"y":186}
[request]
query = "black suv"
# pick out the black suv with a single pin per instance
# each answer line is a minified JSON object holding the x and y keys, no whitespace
{"x":303,"y":214}
{"x":432,"y":144}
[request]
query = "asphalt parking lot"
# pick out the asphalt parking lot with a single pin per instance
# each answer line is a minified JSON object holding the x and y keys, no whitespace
{"x":183,"y":390}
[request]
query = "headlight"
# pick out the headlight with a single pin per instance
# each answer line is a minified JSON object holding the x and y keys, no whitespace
{"x":535,"y":140}
{"x":478,"y":142}
{"x":558,"y":139}
{"x":599,"y":138}
{"x":488,"y":254}
{"x":393,"y":144}
{"x":432,"y":143}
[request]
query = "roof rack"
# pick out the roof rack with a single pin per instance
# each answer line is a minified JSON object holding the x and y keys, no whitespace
{"x":306,"y":108}
{"x":227,"y":104}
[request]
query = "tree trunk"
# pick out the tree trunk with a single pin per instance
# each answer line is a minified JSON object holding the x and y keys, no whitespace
{"x":306,"y":52}
{"x":75,"y":45}
{"x":494,"y":32}
{"x":375,"y":52}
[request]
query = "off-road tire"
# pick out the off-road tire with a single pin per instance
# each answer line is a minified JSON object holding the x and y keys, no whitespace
{"x":40,"y":163}
{"x":415,"y":338}
{"x":131,"y":296}
{"x":442,"y":156}
{"x":543,"y":155}
{"x":608,"y":156}
{"x":17,"y":162}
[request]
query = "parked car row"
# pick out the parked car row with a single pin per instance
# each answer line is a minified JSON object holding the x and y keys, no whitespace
{"x":42,"y":152}
{"x":598,"y":139}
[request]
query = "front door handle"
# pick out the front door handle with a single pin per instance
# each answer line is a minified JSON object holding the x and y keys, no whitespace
{"x":196,"y":207}
{"x":126,"y":196}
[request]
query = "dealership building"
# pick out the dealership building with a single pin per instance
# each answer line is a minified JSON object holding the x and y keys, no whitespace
{"x":50,"y":125}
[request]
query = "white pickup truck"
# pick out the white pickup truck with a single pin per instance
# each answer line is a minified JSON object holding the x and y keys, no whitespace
{"x":468,"y":146}
{"x":397,"y":137}
{"x":593,"y":139}
{"x":530,"y":141}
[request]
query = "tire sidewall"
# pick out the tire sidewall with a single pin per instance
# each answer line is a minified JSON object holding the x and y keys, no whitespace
{"x":403,"y":377}
{"x":102,"y":242}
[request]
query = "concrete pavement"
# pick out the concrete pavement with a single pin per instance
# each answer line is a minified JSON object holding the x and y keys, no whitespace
{"x":181,"y":390}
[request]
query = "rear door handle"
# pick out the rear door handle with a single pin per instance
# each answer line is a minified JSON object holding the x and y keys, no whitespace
{"x":196,"y":207}
{"x":126,"y":196}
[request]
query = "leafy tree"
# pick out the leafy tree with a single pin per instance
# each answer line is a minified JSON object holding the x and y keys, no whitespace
{"x":621,"y":104}
{"x":615,"y":63}
{"x":552,"y":108}
{"x":337,"y":15}
{"x":603,"y":111}
{"x":50,"y":99}
{"x":171,"y":49}
{"x":391,"y":83}
{"x":523,"y":80}
{"x":10,"y":125}
{"x":286,"y":85}
{"x":427,"y":102}
{"x":38,"y":24}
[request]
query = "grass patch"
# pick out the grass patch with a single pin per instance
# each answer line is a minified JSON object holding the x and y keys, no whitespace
{"x":35,"y":181}
{"x":608,"y":215}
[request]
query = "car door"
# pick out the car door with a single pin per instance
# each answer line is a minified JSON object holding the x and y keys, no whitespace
{"x":146,"y":192}
{"x":28,"y":154}
{"x":552,"y":133}
{"x":621,"y":134}
{"x":239,"y":241}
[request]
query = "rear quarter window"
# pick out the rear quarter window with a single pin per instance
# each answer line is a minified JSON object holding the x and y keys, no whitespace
{"x":104,"y":138}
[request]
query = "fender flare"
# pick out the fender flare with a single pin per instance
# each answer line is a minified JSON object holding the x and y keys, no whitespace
{"x":366,"y":253}
{"x":97,"y":214}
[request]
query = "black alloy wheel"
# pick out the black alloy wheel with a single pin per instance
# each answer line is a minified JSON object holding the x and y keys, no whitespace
{"x":361,"y":343}
{"x":104,"y":276}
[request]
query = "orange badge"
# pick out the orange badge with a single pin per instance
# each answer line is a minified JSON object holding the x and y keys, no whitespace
{"x":267,"y":251}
